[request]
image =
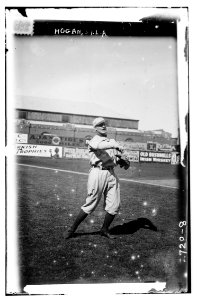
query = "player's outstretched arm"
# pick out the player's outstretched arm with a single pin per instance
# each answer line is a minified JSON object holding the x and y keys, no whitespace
{"x":104,"y":145}
{"x":111,"y":144}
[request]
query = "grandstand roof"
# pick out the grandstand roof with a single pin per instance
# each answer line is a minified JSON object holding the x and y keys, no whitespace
{"x":67,"y":107}
{"x":79,"y":126}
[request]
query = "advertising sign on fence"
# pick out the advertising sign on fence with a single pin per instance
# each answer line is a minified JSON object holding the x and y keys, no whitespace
{"x":151,"y":146}
{"x":76,"y":153}
{"x":49,"y":139}
{"x":156,"y":157}
{"x":134,"y":146}
{"x":175,"y":159}
{"x":21,"y":138}
{"x":38,"y":150}
{"x":133,"y":155}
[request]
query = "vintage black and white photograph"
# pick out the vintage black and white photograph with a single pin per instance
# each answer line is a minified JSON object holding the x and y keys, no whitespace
{"x":100,"y":135}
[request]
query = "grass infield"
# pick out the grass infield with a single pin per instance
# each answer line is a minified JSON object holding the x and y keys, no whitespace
{"x":147,"y":230}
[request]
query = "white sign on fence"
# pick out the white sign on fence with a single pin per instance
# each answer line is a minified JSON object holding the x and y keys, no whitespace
{"x":132,"y":155}
{"x":38,"y":150}
{"x":21,"y":138}
{"x":76,"y":153}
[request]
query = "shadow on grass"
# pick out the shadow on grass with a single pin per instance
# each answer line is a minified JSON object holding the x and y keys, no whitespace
{"x":126,"y":228}
{"x":133,"y":226}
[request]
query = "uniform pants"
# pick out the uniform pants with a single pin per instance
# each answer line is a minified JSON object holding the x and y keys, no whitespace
{"x":102,"y":182}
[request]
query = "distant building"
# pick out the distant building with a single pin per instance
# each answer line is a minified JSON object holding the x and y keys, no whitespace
{"x":74,"y":129}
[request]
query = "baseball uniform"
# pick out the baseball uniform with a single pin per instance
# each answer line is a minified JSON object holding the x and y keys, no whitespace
{"x":102,"y":178}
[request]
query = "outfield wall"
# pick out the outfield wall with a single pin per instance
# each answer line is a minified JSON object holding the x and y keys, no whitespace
{"x":82,"y":153}
{"x":75,"y":135}
{"x":79,"y":141}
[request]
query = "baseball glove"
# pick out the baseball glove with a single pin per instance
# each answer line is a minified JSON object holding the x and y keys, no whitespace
{"x":123,"y":161}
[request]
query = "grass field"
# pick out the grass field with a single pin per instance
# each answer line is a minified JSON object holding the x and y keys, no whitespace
{"x":146,"y":247}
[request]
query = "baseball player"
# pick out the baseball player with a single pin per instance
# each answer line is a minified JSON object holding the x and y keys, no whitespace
{"x":105,"y":154}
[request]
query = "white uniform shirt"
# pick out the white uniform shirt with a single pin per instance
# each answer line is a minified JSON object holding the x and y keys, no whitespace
{"x":102,"y":151}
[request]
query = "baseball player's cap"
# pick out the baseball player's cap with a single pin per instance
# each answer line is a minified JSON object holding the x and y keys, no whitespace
{"x":98,"y":121}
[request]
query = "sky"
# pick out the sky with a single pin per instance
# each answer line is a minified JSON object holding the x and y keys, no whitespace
{"x":132,"y":77}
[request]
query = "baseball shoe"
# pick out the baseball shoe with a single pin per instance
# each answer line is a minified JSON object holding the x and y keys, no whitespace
{"x":69,"y":234}
{"x":106,"y":234}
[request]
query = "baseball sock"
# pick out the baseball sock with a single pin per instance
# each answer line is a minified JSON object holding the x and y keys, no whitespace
{"x":107,"y":221}
{"x":80,"y":217}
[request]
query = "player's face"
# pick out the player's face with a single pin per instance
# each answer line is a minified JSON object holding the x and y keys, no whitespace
{"x":102,"y":129}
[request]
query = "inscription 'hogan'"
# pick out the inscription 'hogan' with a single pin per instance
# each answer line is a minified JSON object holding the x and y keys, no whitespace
{"x":68,"y":31}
